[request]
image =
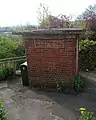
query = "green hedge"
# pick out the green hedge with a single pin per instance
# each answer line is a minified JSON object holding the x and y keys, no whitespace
{"x":87,"y":55}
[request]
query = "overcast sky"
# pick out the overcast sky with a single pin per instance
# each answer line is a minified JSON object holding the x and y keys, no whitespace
{"x":20,"y":12}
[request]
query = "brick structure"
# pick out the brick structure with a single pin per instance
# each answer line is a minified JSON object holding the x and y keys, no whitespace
{"x":52,"y":55}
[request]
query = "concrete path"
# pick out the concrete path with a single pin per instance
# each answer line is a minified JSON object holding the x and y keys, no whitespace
{"x":90,"y":81}
{"x":22,"y":103}
{"x":89,"y":75}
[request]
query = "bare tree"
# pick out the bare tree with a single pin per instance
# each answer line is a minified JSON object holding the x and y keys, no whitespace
{"x":43,"y":15}
{"x":45,"y":18}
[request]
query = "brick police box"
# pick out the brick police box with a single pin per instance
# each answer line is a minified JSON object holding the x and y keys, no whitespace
{"x":52,"y":55}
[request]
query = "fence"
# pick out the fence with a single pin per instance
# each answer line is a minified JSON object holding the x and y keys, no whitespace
{"x":12,"y":62}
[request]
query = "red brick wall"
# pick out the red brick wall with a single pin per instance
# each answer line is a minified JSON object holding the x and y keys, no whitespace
{"x":51,"y":60}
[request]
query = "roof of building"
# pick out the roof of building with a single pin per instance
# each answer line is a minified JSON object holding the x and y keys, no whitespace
{"x":50,"y":32}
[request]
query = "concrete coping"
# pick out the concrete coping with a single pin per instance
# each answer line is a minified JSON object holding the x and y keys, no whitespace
{"x":50,"y":32}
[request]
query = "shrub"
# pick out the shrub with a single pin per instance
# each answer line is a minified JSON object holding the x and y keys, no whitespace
{"x":85,"y":115}
{"x":60,"y":86}
{"x":5,"y":72}
{"x":2,"y":112}
{"x":19,"y":50}
{"x":78,"y":83}
{"x":84,"y":44}
{"x":9,"y":48}
{"x":6,"y":47}
{"x":87,"y":55}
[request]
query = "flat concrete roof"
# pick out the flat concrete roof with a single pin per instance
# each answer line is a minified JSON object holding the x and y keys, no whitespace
{"x":50,"y":32}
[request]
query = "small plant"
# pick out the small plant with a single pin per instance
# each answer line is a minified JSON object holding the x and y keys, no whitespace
{"x":78,"y":83}
{"x":60,"y":84}
{"x":2,"y":112}
{"x":61,"y":87}
{"x":85,"y":115}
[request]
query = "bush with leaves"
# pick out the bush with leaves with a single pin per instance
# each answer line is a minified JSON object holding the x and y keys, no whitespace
{"x":85,"y":114}
{"x":87,"y":55}
{"x":9,"y":48}
{"x":5,"y":73}
{"x":61,"y":85}
{"x":2,"y":112}
{"x":78,"y":83}
{"x":6,"y":47}
{"x":19,"y":50}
